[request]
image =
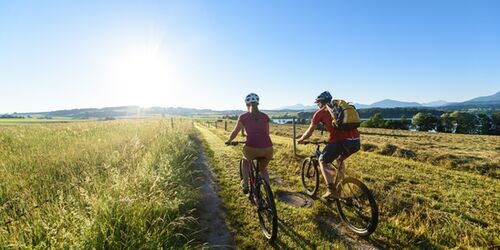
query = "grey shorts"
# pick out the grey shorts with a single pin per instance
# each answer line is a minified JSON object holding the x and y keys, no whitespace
{"x":346,"y":148}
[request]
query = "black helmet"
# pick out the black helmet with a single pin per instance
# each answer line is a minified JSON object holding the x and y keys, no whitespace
{"x":325,"y":97}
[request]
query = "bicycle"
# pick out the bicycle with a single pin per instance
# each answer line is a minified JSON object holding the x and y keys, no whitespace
{"x":261,"y":195}
{"x":355,"y":203}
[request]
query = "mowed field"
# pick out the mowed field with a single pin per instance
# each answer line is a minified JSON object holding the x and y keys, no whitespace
{"x":434,"y":191}
{"x":98,"y":185}
{"x":472,"y":153}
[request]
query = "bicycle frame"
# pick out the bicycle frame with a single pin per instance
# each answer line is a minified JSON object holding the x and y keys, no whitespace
{"x":254,"y":174}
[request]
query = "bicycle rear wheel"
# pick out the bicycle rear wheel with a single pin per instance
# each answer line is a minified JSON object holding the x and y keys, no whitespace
{"x":310,"y":176}
{"x":357,"y":207}
{"x":266,"y":209}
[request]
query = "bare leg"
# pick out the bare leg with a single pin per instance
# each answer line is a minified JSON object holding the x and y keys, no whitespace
{"x":245,"y":171}
{"x":341,"y":169}
{"x":327,"y":173}
{"x":263,"y":170}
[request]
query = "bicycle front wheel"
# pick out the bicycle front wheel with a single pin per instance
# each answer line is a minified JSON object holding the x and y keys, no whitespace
{"x":357,"y":207}
{"x":310,"y":176}
{"x":266,"y":209}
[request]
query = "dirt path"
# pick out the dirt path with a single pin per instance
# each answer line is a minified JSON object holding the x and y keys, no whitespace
{"x":211,"y":214}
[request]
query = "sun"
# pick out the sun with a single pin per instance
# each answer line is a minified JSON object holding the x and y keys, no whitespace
{"x":141,"y":75}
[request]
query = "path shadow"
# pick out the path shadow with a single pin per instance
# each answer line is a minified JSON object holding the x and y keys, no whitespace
{"x":287,"y":230}
{"x":332,"y":229}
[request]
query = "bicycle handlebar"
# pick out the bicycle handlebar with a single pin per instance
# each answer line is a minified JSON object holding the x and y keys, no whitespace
{"x":234,"y":143}
{"x":314,"y":142}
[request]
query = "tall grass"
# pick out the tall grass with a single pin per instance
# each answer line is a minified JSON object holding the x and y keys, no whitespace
{"x":97,"y":185}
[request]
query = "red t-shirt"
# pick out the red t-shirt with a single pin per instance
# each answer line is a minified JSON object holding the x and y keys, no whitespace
{"x":257,"y":131}
{"x":323,"y":115}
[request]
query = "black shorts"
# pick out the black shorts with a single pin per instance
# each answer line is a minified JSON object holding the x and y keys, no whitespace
{"x":346,"y":147}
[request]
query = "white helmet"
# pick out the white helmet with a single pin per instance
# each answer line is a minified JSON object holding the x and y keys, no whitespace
{"x":252,"y":98}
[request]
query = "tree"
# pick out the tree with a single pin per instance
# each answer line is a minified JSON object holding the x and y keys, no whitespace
{"x":447,"y":123}
{"x":484,"y":124}
{"x":376,"y":121}
{"x":425,"y":122}
{"x":403,"y":123}
{"x":495,"y":118}
{"x":466,"y":123}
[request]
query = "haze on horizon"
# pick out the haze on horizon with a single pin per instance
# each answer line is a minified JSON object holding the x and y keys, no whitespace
{"x":210,"y":54}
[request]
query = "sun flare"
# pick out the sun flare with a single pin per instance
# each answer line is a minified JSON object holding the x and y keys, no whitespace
{"x":141,"y":75}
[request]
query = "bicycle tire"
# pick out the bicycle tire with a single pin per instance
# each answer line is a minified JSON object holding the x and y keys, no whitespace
{"x":348,"y":200}
{"x":310,"y":176}
{"x":266,"y":208}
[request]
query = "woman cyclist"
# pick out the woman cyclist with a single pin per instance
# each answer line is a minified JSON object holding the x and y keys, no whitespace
{"x":258,"y":143}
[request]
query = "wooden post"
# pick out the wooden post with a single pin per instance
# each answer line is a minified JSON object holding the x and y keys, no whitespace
{"x":172,"y":122}
{"x":215,"y":124}
{"x":294,"y":135}
{"x":225,"y":125}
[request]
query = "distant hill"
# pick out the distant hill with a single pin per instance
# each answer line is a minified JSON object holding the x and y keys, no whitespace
{"x":435,"y":103}
{"x":388,"y":103}
{"x":298,"y":107}
{"x":130,"y":111}
{"x":486,"y":104}
{"x":491,"y":99}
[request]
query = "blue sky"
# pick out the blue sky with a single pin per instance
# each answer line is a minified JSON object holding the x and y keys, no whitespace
{"x":210,"y":54}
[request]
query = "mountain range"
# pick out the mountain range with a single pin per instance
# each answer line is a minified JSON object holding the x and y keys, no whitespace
{"x":389,"y":103}
{"x":491,"y":103}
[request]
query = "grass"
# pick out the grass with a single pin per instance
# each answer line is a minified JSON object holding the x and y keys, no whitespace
{"x":20,"y":121}
{"x":423,"y":204}
{"x":130,"y":184}
{"x":98,"y":185}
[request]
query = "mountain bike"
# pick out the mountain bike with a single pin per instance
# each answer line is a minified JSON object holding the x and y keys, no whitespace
{"x":355,"y":203}
{"x":261,"y":195}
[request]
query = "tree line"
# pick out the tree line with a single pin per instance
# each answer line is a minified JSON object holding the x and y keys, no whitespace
{"x":449,"y":122}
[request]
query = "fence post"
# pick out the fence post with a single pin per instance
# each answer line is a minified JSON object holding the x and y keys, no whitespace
{"x":215,"y":124}
{"x":172,"y":122}
{"x":225,"y":125}
{"x":294,"y":135}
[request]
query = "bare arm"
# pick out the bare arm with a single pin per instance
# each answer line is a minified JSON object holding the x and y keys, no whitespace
{"x":307,"y":134}
{"x":234,"y":133}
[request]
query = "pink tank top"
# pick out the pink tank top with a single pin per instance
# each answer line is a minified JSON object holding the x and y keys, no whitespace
{"x":257,"y":131}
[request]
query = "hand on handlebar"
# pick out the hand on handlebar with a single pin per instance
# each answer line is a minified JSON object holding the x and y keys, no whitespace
{"x":301,"y":141}
{"x":233,"y":143}
{"x":304,"y":142}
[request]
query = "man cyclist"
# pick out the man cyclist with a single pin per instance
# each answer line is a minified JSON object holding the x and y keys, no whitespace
{"x":341,"y":143}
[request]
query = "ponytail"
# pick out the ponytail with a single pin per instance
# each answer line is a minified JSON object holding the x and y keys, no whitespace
{"x":254,"y":110}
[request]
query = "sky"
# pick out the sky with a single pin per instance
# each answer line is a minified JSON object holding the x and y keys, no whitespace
{"x":210,"y":54}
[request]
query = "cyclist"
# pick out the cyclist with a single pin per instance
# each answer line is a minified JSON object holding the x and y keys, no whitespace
{"x":258,"y":142}
{"x":341,"y":143}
